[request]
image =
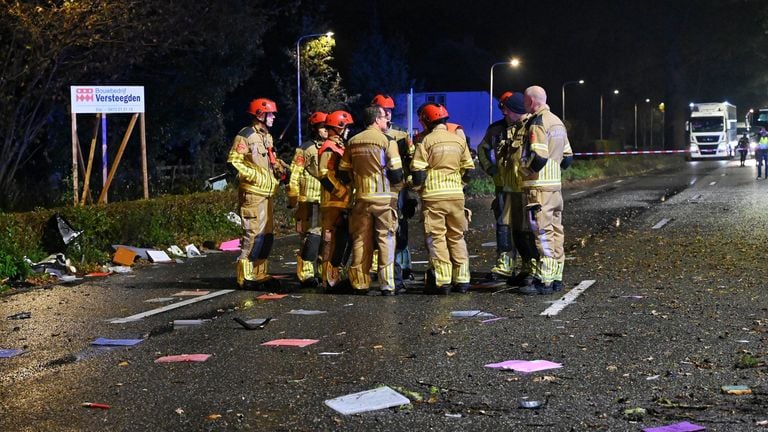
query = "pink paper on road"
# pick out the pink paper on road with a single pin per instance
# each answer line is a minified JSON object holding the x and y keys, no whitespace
{"x":231,"y":245}
{"x":525,"y":365}
{"x":183,"y":358}
{"x":190,"y":293}
{"x":291,"y":342}
{"x":677,"y":427}
{"x":271,"y":296}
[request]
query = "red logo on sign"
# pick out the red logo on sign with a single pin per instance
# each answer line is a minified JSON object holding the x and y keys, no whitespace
{"x":84,"y":94}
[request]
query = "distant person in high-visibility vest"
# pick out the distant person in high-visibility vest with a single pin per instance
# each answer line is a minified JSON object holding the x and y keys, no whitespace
{"x":545,"y":153}
{"x":761,"y":153}
{"x":441,"y":160}
{"x":259,"y":172}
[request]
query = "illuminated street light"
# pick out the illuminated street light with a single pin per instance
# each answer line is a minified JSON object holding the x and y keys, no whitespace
{"x":514,"y":62}
{"x":298,"y":76}
{"x":565,"y":84}
{"x":601,"y":113}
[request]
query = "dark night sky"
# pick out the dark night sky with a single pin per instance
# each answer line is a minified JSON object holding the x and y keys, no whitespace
{"x":610,"y":44}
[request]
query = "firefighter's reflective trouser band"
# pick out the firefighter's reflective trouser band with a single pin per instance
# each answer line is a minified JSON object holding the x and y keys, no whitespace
{"x":332,"y":220}
{"x":308,"y":226}
{"x":256,"y":214}
{"x":549,"y":236}
{"x":444,"y":226}
{"x":373,"y":226}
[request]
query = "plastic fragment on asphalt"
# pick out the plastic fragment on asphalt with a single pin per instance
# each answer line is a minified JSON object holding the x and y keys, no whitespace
{"x":8,"y":353}
{"x":120,"y":269}
{"x":736,"y":390}
{"x":98,"y":274}
{"x":190,"y":293}
{"x":330,"y":353}
{"x":20,"y":316}
{"x":305,"y":312}
{"x":291,"y":342}
{"x":95,"y":405}
{"x":116,"y":342}
{"x":653,"y":377}
{"x":176,"y":250}
{"x":158,"y":256}
{"x":525,"y":366}
{"x":369,"y":400}
{"x":530,"y":404}
{"x":471,"y":314}
{"x":160,"y":300}
{"x":141,"y":252}
{"x":271,"y":296}
{"x":124,"y":256}
{"x":188,"y":323}
{"x":230,"y":245}
{"x":183,"y":358}
{"x":489,"y":244}
{"x":677,"y":427}
{"x":253,"y":324}
{"x":453,"y":415}
{"x":192,"y":251}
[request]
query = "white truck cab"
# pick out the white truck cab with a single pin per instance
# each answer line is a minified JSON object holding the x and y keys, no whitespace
{"x":712,"y":130}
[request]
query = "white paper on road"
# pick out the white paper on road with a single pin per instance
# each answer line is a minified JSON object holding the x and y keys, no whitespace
{"x":157,"y":256}
{"x":471,"y":314}
{"x":661,"y":223}
{"x":567,"y":299}
{"x":369,"y":400}
{"x":306,"y":312}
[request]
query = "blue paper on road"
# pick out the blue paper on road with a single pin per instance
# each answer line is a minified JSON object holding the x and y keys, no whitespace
{"x":116,"y":342}
{"x":6,"y":353}
{"x":471,"y":314}
{"x":677,"y":427}
{"x":369,"y":400}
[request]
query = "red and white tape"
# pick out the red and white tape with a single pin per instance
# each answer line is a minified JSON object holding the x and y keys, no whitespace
{"x":634,"y":152}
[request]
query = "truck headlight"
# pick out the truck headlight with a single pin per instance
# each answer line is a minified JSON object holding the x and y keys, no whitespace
{"x":694,"y":148}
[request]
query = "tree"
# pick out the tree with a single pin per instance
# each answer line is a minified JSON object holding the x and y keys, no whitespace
{"x":187,"y":54}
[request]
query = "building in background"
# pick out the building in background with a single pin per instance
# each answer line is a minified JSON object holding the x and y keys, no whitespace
{"x":469,"y":109}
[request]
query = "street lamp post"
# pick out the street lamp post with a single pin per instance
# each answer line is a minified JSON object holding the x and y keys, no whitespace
{"x":565,"y":84}
{"x":601,"y":113}
{"x":514,"y":62}
{"x":298,"y":76}
{"x":635,"y":125}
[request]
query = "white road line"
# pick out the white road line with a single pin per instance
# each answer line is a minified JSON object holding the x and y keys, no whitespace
{"x":169,"y":307}
{"x":712,"y":183}
{"x":567,"y":299}
{"x":578,"y":193}
{"x":661,"y":223}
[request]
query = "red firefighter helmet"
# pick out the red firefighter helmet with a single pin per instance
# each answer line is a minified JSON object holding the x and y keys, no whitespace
{"x":262,"y":106}
{"x":317,"y":118}
{"x":431,"y":112}
{"x":504,"y":96}
{"x":384,"y":101}
{"x":339,"y":119}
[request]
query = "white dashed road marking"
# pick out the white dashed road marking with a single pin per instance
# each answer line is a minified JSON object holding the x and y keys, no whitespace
{"x":169,"y":307}
{"x":567,"y":299}
{"x":712,"y":183}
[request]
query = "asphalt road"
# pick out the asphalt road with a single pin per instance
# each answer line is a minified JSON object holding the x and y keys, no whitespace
{"x":676,"y":311}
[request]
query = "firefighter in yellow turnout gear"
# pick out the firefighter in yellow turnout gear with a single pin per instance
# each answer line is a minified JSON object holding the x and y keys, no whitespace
{"x":507,"y":205}
{"x":546,"y":151}
{"x":372,"y":163}
{"x":259,"y":172}
{"x":334,"y":202}
{"x":304,"y":195}
{"x":439,"y":164}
